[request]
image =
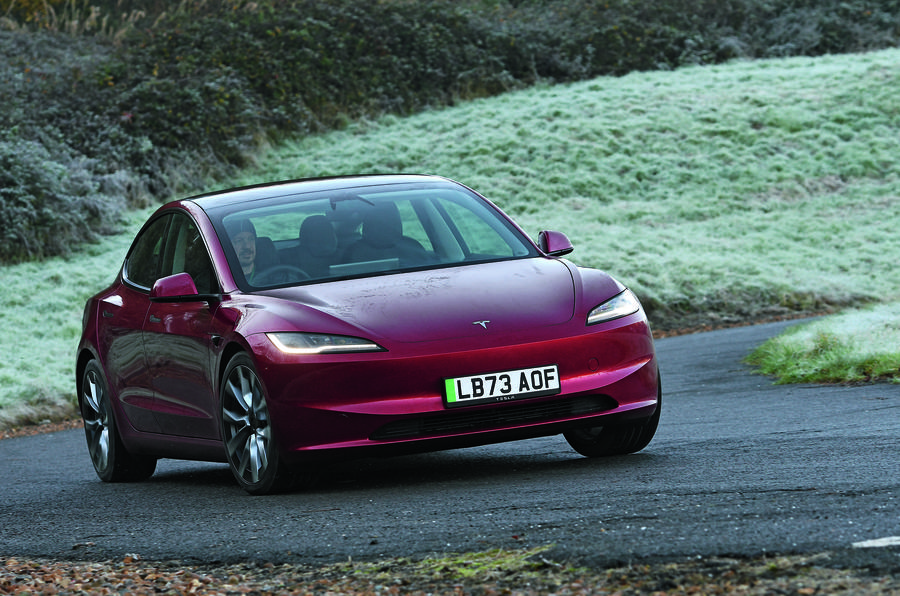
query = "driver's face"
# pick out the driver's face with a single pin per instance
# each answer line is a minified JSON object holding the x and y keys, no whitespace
{"x":245,"y":247}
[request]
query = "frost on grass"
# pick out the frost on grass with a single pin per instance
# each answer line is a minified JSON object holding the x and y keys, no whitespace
{"x":861,"y":345}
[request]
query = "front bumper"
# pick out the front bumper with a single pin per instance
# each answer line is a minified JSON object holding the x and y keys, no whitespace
{"x":390,"y":402}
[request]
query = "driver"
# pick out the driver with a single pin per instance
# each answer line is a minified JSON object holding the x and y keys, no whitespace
{"x":243,"y":239}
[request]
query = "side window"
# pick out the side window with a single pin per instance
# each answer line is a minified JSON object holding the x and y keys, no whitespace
{"x":480,"y":237}
{"x":142,"y":267}
{"x":185,"y":252}
{"x":412,"y":225}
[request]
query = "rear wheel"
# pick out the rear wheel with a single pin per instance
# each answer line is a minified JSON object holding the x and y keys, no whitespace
{"x":112,"y":462}
{"x":616,"y":439}
{"x":246,"y":430}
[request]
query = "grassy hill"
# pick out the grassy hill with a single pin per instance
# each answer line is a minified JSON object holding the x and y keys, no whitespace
{"x":718,"y":193}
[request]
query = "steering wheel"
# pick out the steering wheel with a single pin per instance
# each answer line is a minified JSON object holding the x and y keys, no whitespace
{"x":280,"y":274}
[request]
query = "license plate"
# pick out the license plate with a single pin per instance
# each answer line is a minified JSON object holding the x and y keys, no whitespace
{"x":502,"y":386}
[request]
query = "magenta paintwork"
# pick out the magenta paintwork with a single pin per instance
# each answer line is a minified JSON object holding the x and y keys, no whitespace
{"x":533,"y":293}
{"x":554,"y":243}
{"x":347,"y":406}
{"x":164,"y":350}
{"x":180,"y":284}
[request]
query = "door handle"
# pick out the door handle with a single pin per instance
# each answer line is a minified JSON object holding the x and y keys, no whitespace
{"x":155,"y":319}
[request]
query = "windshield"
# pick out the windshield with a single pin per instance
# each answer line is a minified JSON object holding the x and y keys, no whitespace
{"x":364,"y":231}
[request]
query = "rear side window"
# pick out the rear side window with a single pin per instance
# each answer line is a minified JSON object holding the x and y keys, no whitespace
{"x":142,"y":266}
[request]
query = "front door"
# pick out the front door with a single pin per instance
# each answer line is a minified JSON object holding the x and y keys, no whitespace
{"x":178,"y":340}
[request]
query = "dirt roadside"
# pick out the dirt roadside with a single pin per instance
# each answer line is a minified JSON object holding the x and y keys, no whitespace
{"x":800,"y":575}
{"x":37,"y":429}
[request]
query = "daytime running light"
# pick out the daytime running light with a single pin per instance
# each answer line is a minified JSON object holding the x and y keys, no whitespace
{"x":620,"y":305}
{"x":318,"y":343}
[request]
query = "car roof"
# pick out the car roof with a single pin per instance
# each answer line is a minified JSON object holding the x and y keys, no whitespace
{"x":272,"y":190}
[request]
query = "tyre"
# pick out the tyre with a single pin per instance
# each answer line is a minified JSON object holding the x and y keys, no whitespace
{"x":112,"y":461}
{"x":616,"y":439}
{"x":246,"y":430}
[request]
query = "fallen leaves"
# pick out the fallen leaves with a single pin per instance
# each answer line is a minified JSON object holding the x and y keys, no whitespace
{"x":490,"y":574}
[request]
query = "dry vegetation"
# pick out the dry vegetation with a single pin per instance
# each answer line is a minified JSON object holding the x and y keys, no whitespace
{"x":522,"y":573}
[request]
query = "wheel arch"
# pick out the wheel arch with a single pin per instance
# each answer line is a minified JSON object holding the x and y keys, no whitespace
{"x":230,"y":351}
{"x":85,"y":355}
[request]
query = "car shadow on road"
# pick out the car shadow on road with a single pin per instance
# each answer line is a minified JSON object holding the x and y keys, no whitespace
{"x":449,"y":468}
{"x":509,"y":463}
{"x":188,"y":474}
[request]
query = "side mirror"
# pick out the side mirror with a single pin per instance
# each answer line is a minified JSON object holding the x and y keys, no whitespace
{"x":177,"y":288}
{"x":554,"y":244}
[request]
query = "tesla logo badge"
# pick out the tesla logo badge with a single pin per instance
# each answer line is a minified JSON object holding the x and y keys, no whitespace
{"x":482,"y":323}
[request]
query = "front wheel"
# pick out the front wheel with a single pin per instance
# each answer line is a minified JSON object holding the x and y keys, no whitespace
{"x":112,"y":462}
{"x":617,"y":439}
{"x":247,"y":432}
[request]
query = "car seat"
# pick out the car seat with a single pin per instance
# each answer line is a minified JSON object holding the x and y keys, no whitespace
{"x":382,"y":238}
{"x":317,"y":246}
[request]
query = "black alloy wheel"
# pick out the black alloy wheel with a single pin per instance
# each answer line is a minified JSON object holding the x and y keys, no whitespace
{"x":112,"y":461}
{"x":246,"y":430}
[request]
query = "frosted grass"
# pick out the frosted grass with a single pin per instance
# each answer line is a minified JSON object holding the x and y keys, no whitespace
{"x":854,"y":346}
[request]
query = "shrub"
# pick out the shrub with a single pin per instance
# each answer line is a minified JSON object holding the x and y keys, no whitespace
{"x":47,"y":202}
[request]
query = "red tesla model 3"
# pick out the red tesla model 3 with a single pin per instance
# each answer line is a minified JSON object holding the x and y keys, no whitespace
{"x":278,"y":326}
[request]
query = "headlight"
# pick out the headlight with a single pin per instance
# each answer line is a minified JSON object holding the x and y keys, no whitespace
{"x":317,"y":343}
{"x":618,"y":306}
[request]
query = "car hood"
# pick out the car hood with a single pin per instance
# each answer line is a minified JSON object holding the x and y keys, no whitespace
{"x":471,"y":300}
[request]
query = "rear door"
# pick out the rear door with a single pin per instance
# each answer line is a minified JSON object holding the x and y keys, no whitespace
{"x":120,"y":326}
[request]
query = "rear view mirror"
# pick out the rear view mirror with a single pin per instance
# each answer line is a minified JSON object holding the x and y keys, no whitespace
{"x":554,"y":244}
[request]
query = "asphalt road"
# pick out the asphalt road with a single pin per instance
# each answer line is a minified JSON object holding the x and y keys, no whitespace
{"x":739,"y":467}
